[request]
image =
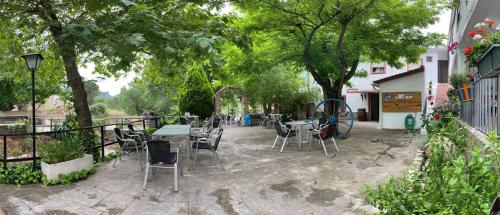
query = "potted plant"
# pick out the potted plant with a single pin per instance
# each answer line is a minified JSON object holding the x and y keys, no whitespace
{"x":484,"y":52}
{"x":64,"y":156}
{"x":464,"y":88}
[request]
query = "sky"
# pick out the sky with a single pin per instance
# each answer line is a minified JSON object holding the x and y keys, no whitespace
{"x":113,"y":85}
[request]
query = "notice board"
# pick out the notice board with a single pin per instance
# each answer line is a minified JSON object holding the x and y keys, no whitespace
{"x":402,"y":102}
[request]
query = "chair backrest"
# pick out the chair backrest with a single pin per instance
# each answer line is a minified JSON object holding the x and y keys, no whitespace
{"x":277,"y":126}
{"x":215,"y":122}
{"x":130,"y":127}
{"x":217,"y":140}
{"x":159,"y":151}
{"x":119,"y":136}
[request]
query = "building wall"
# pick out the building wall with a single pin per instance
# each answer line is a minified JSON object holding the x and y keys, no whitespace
{"x":354,"y":99}
{"x":411,"y":83}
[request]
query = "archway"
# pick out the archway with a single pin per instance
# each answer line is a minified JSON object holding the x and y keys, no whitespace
{"x":235,"y":90}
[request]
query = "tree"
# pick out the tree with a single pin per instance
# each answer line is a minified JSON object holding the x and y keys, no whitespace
{"x":7,"y":96}
{"x":197,"y":96}
{"x":114,"y":34}
{"x":330,"y":38}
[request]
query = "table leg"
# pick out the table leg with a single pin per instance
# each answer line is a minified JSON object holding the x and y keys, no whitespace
{"x":299,"y":136}
{"x":188,"y":148}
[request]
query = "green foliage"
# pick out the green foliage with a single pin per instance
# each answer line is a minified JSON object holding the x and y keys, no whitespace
{"x":20,"y":126}
{"x":20,"y":174}
{"x":7,"y":95}
{"x":92,"y":90}
{"x":98,"y":111}
{"x":61,"y":150}
{"x":149,"y":131}
{"x":86,"y":137}
{"x":330,"y":38}
{"x":452,"y":183}
{"x":458,"y":79}
{"x":198,"y":95}
{"x":69,"y":178}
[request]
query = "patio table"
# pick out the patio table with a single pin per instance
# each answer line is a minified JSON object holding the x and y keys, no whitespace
{"x":173,"y":131}
{"x":298,"y":127}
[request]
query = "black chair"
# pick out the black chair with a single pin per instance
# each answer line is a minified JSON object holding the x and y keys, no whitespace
{"x":206,"y":143}
{"x":280,"y":134}
{"x":127,"y":143}
{"x":158,"y":155}
{"x":324,"y":132}
{"x":141,"y":134}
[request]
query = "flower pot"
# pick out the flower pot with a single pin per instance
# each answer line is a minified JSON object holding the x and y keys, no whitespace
{"x":465,"y":92}
{"x":489,"y":64}
{"x":52,"y":171}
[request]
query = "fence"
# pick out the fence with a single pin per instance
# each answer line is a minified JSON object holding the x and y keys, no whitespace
{"x":23,"y":140}
{"x":482,"y":113}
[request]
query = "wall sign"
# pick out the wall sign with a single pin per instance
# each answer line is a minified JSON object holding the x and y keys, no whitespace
{"x":402,"y":102}
{"x":352,"y":90}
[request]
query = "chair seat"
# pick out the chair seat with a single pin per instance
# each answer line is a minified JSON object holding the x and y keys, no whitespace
{"x":201,"y":145}
{"x":292,"y":134}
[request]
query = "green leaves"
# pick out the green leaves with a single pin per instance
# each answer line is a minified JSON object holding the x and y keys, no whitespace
{"x":198,"y":95}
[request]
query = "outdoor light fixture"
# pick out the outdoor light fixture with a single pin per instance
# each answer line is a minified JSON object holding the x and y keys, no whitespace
{"x":33,"y":62}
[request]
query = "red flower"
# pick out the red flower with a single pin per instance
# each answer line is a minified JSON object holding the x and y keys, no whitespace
{"x":490,"y":22}
{"x":437,"y":116}
{"x":472,"y":33}
{"x":481,"y":31}
{"x":468,"y":50}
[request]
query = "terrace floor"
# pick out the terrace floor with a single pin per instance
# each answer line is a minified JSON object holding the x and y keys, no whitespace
{"x":257,"y":180}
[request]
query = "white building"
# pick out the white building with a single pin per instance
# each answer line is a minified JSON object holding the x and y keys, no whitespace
{"x":363,"y":93}
{"x":481,"y":113}
{"x":463,"y":19}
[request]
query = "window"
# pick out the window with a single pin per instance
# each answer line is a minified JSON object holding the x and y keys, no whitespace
{"x":428,"y":59}
{"x":442,"y":71}
{"x":377,"y":68}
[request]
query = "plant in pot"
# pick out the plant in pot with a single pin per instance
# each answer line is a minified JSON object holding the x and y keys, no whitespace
{"x":463,"y":86}
{"x":484,"y":50}
{"x":64,"y":156}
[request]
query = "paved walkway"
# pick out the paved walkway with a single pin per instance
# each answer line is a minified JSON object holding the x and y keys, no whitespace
{"x":257,"y":180}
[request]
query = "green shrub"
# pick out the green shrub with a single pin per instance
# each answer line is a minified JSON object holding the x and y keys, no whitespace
{"x":458,"y":79}
{"x":450,"y":184}
{"x":20,"y":174}
{"x":69,"y":178}
{"x":98,"y":111}
{"x":21,"y":126}
{"x":149,"y":131}
{"x":61,"y":150}
{"x":198,"y":95}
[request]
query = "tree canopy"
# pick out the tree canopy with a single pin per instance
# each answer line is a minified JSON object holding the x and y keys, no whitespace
{"x":330,"y":38}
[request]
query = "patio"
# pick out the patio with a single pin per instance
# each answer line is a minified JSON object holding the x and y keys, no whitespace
{"x":257,"y":180}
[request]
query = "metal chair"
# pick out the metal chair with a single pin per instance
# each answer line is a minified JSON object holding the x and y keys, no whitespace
{"x":206,"y":143}
{"x":280,"y":134}
{"x":158,"y":155}
{"x":323,"y":132}
{"x":141,"y":134}
{"x":127,"y":143}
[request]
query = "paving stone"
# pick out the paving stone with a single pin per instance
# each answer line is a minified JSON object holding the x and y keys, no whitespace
{"x":85,"y":195}
{"x":156,"y":207}
{"x":115,"y":203}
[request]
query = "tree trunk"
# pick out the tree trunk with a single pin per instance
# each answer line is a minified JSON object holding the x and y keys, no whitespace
{"x":75,"y":81}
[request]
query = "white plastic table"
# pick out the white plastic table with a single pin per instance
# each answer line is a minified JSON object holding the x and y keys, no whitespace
{"x":298,"y":127}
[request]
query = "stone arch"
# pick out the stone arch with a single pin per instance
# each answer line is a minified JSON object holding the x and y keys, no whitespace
{"x":238,"y":91}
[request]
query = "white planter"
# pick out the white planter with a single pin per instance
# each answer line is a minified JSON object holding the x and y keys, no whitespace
{"x":52,"y":171}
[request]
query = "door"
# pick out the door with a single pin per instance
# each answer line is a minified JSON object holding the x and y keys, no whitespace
{"x":374,"y":106}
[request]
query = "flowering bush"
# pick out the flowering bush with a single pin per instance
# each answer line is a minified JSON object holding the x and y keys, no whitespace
{"x":483,"y":36}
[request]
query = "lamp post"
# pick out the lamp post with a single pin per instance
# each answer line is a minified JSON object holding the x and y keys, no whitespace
{"x":33,"y":62}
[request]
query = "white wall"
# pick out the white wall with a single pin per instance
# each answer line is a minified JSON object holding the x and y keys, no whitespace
{"x":431,"y":75}
{"x":411,"y":83}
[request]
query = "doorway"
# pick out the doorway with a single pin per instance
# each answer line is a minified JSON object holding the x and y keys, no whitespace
{"x":373,"y":99}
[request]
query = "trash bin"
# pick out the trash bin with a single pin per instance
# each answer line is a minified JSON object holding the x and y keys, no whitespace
{"x":152,"y":120}
{"x":247,"y":120}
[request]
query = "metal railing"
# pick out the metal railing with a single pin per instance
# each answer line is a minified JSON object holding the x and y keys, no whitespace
{"x":100,"y":130}
{"x":482,"y":113}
